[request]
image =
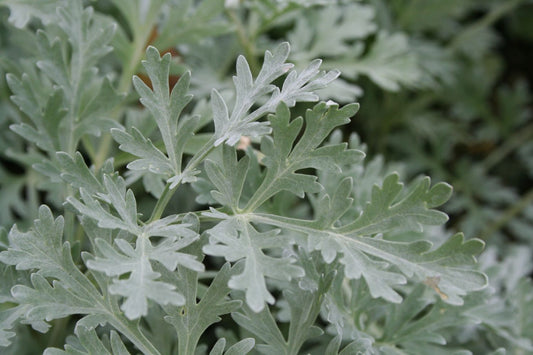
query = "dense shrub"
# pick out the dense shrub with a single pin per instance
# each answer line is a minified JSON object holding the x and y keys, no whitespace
{"x":186,"y":177}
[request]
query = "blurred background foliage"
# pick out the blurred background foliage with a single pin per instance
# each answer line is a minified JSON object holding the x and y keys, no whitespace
{"x":444,"y":88}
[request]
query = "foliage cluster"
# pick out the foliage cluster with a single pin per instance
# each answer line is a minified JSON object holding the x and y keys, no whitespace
{"x":182,"y":177}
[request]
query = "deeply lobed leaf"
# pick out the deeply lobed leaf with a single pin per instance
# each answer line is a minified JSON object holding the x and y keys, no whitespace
{"x":296,"y":88}
{"x":235,"y":240}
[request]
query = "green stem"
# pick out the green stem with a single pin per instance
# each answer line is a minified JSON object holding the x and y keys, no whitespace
{"x":89,"y":147}
{"x":58,"y":334}
{"x":124,"y":86}
{"x":508,"y":215}
{"x":187,"y":347}
{"x":32,"y":196}
{"x":75,"y":82}
{"x":168,"y":192}
{"x":268,"y":22}
{"x":488,"y":20}
{"x":162,"y":203}
{"x":69,"y":217}
{"x":247,"y":45}
{"x":512,"y":143}
{"x":199,"y":157}
{"x":298,"y":332}
{"x":133,"y":333}
{"x":103,"y":151}
{"x":260,"y":196}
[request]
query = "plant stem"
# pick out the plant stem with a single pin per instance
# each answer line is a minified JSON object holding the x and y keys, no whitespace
{"x":31,"y":192}
{"x":201,"y":154}
{"x":89,"y":148}
{"x":247,"y":45}
{"x":168,"y":192}
{"x":58,"y":334}
{"x":134,"y":335}
{"x":162,"y":203}
{"x":510,"y":144}
{"x":508,"y":215}
{"x":69,"y":217}
{"x":124,"y":86}
{"x":267,"y":23}
{"x":310,"y":305}
{"x":486,"y":21}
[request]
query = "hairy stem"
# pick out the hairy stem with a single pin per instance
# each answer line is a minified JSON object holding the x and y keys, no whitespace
{"x":162,"y":203}
{"x":167,"y":194}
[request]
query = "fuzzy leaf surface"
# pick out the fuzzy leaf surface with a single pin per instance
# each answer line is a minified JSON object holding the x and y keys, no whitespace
{"x":194,"y":317}
{"x":283,"y":158}
{"x":365,"y":255}
{"x":42,"y":249}
{"x":297,"y":87}
{"x":142,"y":283}
{"x":166,"y":105}
{"x":88,"y":343}
{"x":235,"y":240}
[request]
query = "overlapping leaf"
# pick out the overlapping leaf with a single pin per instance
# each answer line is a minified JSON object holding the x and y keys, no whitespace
{"x":389,"y":63}
{"x":194,"y":317}
{"x":116,"y":195}
{"x":328,"y":31}
{"x":228,"y":177}
{"x":444,"y":269}
{"x":22,"y":11}
{"x":304,"y":300}
{"x":165,"y":104}
{"x":177,"y":23}
{"x":156,"y":263}
{"x":42,"y":249}
{"x":57,"y":300}
{"x":88,"y":343}
{"x":8,"y":319}
{"x":263,"y":325}
{"x":418,"y":323}
{"x":235,"y":240}
{"x":338,"y":31}
{"x":80,"y":102}
{"x":283,"y":160}
{"x":387,"y":210}
{"x":185,"y":23}
{"x":296,"y":87}
{"x":9,"y":316}
{"x":143,"y":282}
{"x":242,"y":347}
{"x":75,"y":171}
{"x":88,"y":97}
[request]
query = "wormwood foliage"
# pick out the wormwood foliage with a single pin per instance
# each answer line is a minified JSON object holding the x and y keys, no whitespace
{"x":235,"y":221}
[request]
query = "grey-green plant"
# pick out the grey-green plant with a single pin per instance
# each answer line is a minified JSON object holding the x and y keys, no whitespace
{"x":189,"y":187}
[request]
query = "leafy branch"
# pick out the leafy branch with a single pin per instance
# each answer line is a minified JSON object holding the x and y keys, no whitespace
{"x":70,"y":293}
{"x":368,"y":256}
{"x":384,"y":264}
{"x":297,"y":87}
